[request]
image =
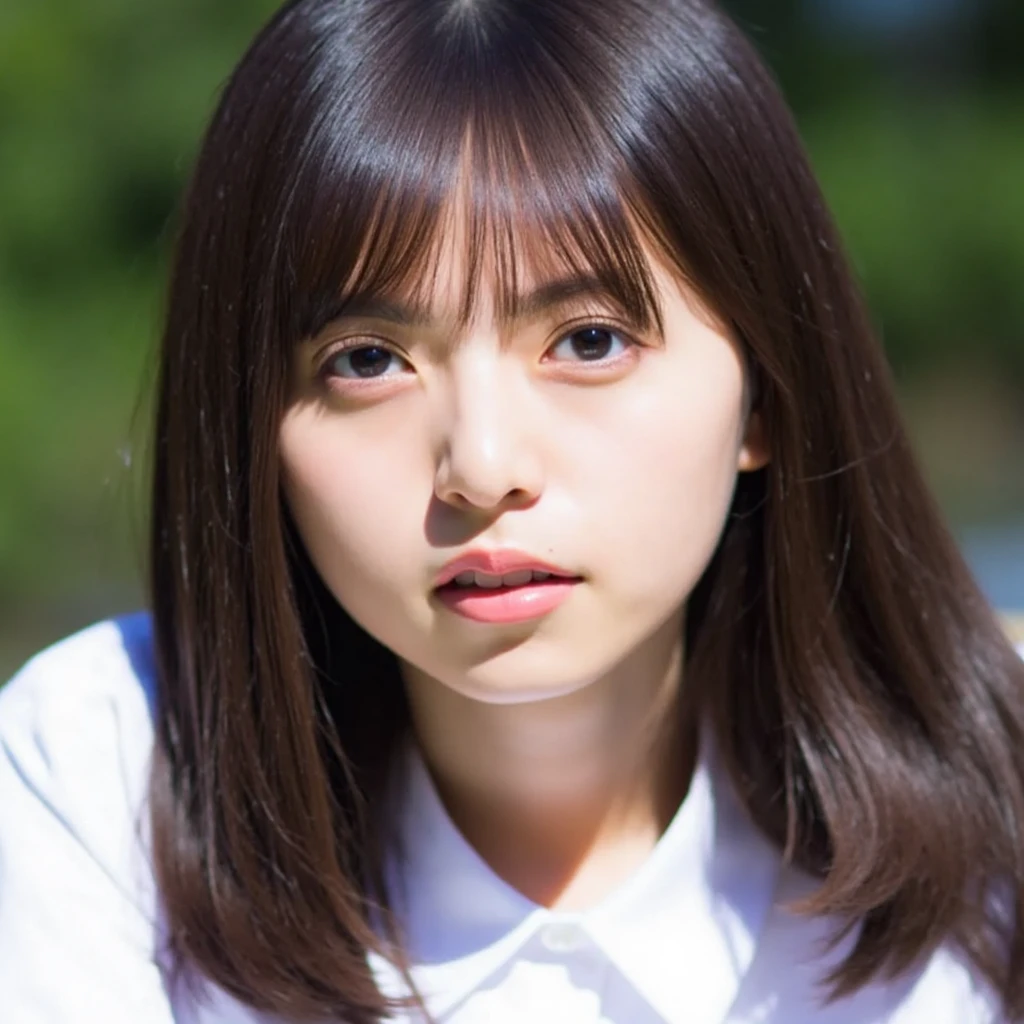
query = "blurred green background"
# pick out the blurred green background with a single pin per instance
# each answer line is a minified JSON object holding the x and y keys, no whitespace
{"x":913,"y":111}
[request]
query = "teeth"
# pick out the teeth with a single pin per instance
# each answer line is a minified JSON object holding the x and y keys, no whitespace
{"x":517,"y":579}
{"x":491,"y":582}
{"x":488,"y":582}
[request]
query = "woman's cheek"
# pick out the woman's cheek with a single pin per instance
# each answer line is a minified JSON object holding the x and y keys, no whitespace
{"x":667,"y":493}
{"x":336,"y":498}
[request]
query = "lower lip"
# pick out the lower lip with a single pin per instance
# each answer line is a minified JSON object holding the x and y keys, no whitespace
{"x":506,"y":604}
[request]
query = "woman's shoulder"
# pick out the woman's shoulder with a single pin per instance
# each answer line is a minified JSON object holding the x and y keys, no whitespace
{"x":76,"y":731}
{"x":787,"y":981}
{"x":77,"y":896}
{"x":106,"y":668}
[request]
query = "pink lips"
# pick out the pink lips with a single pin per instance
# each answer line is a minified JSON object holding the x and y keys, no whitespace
{"x":503,"y":604}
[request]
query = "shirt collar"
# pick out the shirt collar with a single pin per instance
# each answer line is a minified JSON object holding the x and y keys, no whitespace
{"x":694,"y":909}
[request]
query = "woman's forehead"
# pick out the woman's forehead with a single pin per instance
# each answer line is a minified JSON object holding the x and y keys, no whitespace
{"x":483,"y":245}
{"x":473,"y":271}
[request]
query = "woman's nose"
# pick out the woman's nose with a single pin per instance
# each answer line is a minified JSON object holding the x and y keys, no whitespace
{"x":487,"y":459}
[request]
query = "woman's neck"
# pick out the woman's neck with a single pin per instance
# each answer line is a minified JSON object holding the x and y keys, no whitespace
{"x":564,"y":798}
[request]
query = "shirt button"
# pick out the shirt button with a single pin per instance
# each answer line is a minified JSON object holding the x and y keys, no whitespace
{"x":563,"y":938}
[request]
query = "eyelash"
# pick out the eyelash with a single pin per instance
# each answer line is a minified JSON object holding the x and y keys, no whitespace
{"x":629,"y":342}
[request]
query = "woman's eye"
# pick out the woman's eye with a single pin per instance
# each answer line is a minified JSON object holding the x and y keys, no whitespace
{"x":591,"y":345}
{"x":364,"y":363}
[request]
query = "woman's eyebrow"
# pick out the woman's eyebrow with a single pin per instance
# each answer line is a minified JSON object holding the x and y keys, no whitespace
{"x":532,"y":304}
{"x":368,"y":306}
{"x":556,"y":293}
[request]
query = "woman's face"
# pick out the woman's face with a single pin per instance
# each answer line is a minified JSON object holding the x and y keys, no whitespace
{"x":565,"y":436}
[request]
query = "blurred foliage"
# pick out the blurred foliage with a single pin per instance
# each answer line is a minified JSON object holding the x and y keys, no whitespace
{"x":917,"y":140}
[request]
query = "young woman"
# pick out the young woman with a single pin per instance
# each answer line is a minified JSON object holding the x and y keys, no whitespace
{"x":548,"y":619}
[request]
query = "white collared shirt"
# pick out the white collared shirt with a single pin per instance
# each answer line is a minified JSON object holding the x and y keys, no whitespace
{"x":696,"y":936}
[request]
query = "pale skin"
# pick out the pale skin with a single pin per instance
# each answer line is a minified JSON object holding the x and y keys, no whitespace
{"x":557,"y":744}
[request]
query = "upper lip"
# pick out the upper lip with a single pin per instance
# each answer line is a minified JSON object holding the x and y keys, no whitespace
{"x":496,"y":563}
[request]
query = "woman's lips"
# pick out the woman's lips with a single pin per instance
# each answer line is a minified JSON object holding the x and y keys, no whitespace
{"x":507,"y":604}
{"x":497,"y":562}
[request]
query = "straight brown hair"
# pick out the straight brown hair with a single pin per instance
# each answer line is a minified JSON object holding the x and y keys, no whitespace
{"x":869,"y":707}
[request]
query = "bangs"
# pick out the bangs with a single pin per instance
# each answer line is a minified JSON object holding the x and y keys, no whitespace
{"x":508,"y":165}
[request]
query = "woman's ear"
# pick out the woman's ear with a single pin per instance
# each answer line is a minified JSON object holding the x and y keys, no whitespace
{"x":754,"y":452}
